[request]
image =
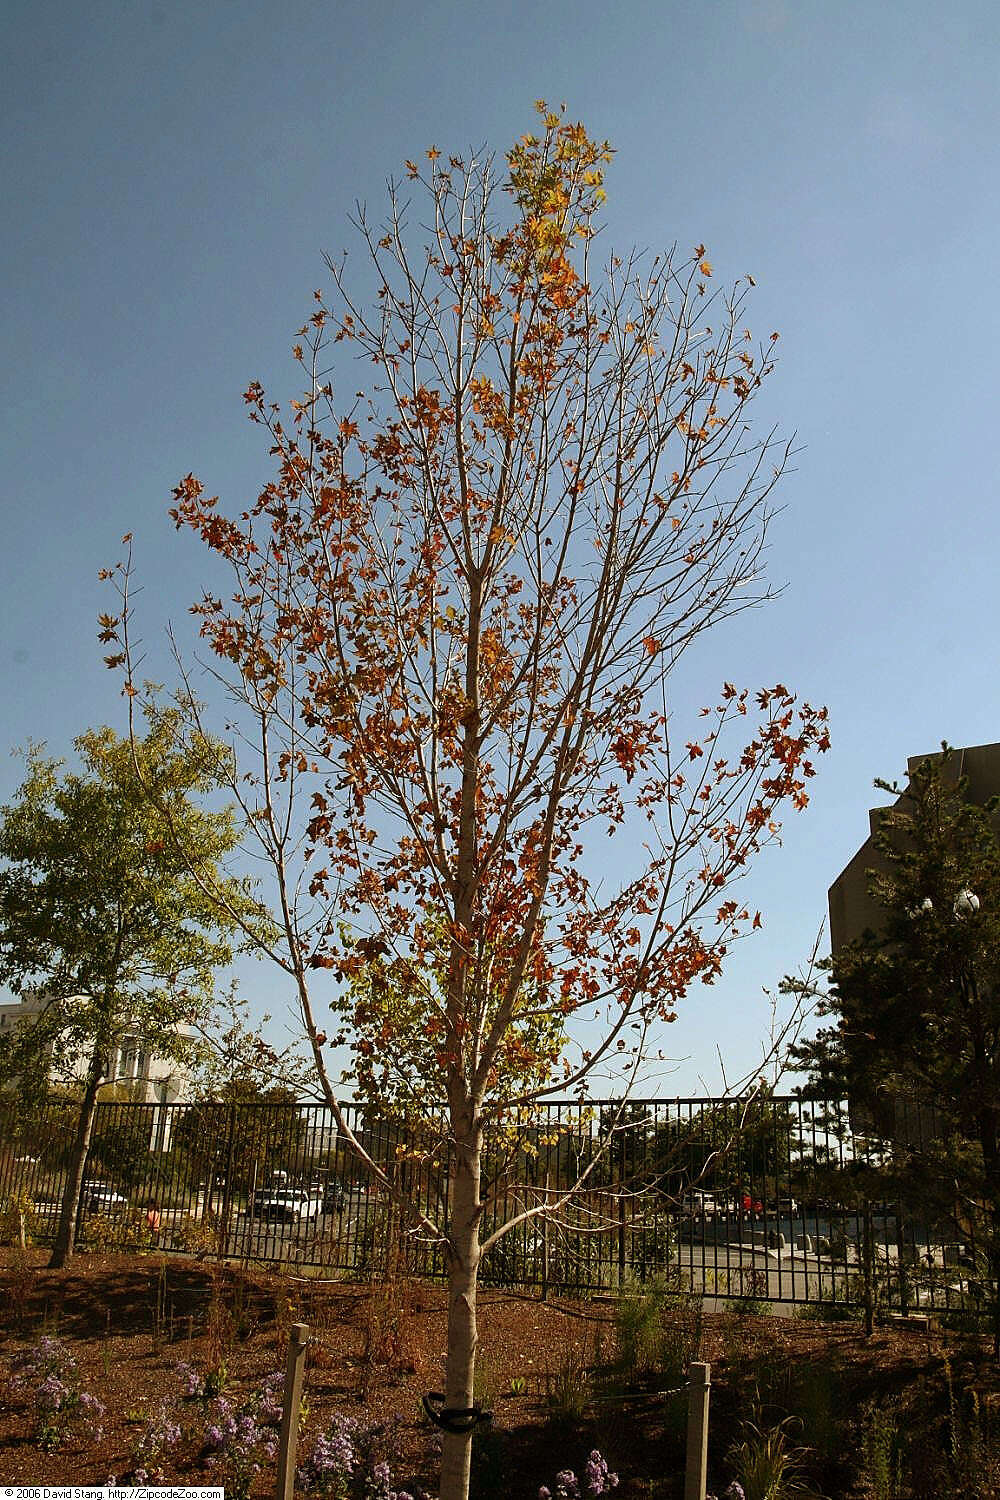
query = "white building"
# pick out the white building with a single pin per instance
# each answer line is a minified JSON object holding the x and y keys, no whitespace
{"x":134,"y":1064}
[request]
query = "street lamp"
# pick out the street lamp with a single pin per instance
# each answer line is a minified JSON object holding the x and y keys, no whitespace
{"x":966,"y":903}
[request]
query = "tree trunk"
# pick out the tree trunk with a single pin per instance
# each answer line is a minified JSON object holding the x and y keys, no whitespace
{"x":463,"y":1337}
{"x":65,"y":1240}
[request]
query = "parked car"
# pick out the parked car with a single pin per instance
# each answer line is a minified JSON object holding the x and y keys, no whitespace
{"x":100,"y":1197}
{"x":286,"y":1206}
{"x":787,"y":1207}
{"x":699,"y":1203}
{"x":334,"y":1198}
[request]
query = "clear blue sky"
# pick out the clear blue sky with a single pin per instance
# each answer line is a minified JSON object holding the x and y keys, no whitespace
{"x":172,"y":174}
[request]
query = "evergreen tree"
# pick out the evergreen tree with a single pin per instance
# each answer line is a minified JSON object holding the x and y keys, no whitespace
{"x":917,"y":1003}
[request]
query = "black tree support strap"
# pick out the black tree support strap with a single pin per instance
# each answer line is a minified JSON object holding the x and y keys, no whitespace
{"x":453,"y":1418}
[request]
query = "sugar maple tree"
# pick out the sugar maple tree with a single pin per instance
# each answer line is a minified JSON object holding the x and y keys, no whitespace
{"x":457,"y":607}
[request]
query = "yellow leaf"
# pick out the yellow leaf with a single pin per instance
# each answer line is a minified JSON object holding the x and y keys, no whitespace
{"x":705,"y":268}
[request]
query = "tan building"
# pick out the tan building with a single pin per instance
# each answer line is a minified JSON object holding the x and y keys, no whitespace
{"x":852,"y":908}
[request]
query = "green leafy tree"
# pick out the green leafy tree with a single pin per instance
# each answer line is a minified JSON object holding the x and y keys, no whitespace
{"x":235,"y":1141}
{"x":741,"y":1143}
{"x":916,"y":1005}
{"x":102,"y":912}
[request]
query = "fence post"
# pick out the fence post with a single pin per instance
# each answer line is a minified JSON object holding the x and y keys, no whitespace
{"x":696,"y":1469}
{"x":545,"y":1240}
{"x":298,"y":1338}
{"x":868,"y":1267}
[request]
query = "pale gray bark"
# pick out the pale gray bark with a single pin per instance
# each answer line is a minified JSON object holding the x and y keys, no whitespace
{"x":463,"y":1335}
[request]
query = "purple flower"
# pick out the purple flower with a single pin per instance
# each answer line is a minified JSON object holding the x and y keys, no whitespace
{"x":192,"y":1384}
{"x":352,"y":1461}
{"x":597,"y":1475}
{"x":271,"y":1400}
{"x":51,"y":1394}
{"x":597,"y":1479}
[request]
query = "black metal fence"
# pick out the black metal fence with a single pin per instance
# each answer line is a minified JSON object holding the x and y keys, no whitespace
{"x":771,"y":1200}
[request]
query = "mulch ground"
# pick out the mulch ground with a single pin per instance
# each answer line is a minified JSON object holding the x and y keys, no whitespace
{"x":376,"y":1349}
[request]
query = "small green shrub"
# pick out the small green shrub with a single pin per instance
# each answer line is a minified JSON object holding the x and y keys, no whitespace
{"x":657,"y":1330}
{"x":809,"y":1312}
{"x":124,"y":1230}
{"x":568,"y":1388}
{"x":18,"y":1220}
{"x":195,"y":1236}
{"x":881,"y":1452}
{"x":836,"y":1311}
{"x":750,"y":1307}
{"x":768,"y":1465}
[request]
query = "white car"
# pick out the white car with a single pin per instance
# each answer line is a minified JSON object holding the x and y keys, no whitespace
{"x":100,"y":1197}
{"x":699,"y":1204}
{"x":287,"y":1205}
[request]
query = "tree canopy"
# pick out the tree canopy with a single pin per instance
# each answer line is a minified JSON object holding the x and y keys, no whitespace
{"x":103,"y":914}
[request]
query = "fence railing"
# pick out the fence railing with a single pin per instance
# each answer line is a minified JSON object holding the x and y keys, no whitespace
{"x":768,"y":1199}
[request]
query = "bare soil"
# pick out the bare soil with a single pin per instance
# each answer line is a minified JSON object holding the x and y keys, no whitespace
{"x":376,"y":1349}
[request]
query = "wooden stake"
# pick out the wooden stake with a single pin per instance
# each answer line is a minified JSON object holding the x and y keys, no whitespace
{"x":298,"y":1338}
{"x":696,"y":1470}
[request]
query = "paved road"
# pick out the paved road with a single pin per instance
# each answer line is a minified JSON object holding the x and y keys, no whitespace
{"x":722,"y":1268}
{"x":724,"y":1271}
